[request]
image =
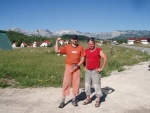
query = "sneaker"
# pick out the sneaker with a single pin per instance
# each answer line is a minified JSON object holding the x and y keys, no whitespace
{"x":62,"y":104}
{"x":74,"y":102}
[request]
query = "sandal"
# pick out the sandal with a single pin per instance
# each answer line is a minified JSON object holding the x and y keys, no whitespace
{"x":87,"y":102}
{"x":97,"y":104}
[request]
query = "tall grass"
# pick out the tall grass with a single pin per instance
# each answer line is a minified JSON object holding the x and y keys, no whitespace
{"x":118,"y":57}
{"x":42,"y":67}
{"x":32,"y":67}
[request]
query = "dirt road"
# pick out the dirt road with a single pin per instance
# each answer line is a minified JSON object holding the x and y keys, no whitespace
{"x":124,"y":92}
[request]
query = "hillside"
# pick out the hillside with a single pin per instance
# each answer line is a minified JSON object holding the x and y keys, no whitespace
{"x":98,"y":35}
{"x":20,"y":37}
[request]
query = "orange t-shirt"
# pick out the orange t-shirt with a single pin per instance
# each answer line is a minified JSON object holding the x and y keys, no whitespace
{"x":73,"y":54}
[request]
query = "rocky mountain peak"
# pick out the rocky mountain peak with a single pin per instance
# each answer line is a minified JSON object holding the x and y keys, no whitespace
{"x":99,"y":35}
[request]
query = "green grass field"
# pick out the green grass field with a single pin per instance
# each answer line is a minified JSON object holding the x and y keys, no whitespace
{"x":42,"y":67}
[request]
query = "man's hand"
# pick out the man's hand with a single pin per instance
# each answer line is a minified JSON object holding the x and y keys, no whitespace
{"x":99,"y":70}
{"x":58,"y":39}
{"x":74,"y":68}
{"x":56,"y":45}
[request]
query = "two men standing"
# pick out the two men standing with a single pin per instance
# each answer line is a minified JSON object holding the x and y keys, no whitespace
{"x":75,"y":56}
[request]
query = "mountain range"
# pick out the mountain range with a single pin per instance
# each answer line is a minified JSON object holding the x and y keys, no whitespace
{"x":99,"y":35}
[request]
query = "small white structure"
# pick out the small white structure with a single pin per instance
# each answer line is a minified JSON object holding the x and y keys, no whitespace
{"x":115,"y":42}
{"x":34,"y":44}
{"x":14,"y":45}
{"x":66,"y":42}
{"x":44,"y":44}
{"x":131,"y":41}
{"x":61,"y":42}
{"x":23,"y":44}
{"x":101,"y":41}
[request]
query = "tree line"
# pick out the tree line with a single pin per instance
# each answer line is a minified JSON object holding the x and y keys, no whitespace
{"x":18,"y":38}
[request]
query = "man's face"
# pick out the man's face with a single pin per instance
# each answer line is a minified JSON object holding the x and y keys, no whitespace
{"x":91,"y":45}
{"x":74,"y":41}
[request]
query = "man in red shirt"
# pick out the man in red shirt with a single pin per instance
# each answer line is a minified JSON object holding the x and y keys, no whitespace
{"x":93,"y":69}
{"x":74,"y":58}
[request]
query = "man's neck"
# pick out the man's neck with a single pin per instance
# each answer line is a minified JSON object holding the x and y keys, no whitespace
{"x":93,"y":49}
{"x":74,"y":45}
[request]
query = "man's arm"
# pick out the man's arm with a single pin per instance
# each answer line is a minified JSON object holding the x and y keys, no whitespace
{"x":104,"y":58}
{"x":84,"y":63}
{"x":77,"y":66}
{"x":81,"y":61}
{"x":56,"y":45}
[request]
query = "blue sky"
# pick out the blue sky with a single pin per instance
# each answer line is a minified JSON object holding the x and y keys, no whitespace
{"x":80,"y":15}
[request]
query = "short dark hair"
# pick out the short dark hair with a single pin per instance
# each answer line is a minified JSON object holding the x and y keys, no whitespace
{"x":91,"y":39}
{"x":74,"y":37}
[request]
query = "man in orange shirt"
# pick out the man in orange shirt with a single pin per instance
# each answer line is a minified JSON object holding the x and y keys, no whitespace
{"x":74,"y":59}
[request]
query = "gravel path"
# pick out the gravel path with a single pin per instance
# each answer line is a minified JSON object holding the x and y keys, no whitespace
{"x":124,"y":92}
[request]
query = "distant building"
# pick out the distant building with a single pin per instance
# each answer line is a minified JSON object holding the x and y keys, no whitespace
{"x":36,"y":44}
{"x":45,"y":43}
{"x":138,"y":41}
{"x":131,"y":41}
{"x":23,"y":44}
{"x":14,"y":45}
{"x":115,"y":42}
{"x":144,"y":40}
{"x":61,"y":42}
{"x":66,"y":42}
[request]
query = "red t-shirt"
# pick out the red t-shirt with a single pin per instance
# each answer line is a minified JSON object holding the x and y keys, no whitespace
{"x":93,"y":58}
{"x":73,"y":54}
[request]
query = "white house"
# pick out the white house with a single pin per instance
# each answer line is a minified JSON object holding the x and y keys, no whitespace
{"x":45,"y":43}
{"x":131,"y":41}
{"x":144,"y":40}
{"x":14,"y":45}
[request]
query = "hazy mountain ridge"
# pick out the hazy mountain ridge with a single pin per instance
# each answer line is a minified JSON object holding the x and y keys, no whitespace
{"x":99,"y":35}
